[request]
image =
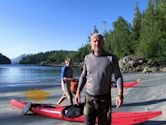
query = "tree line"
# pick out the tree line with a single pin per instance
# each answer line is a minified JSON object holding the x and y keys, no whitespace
{"x":145,"y":37}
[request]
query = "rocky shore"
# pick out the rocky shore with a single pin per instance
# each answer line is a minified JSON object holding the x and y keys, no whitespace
{"x":132,"y":63}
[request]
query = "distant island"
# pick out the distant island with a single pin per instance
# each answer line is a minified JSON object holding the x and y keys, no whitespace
{"x":4,"y":59}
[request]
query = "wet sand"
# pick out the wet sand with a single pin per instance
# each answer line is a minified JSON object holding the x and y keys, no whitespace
{"x":149,"y":95}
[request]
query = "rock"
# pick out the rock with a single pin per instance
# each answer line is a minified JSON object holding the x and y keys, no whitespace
{"x":146,"y":70}
{"x":150,"y":69}
{"x":129,"y":63}
{"x":163,"y":69}
{"x":43,"y":63}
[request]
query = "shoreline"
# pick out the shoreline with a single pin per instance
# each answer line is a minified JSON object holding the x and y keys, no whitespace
{"x":125,"y":69}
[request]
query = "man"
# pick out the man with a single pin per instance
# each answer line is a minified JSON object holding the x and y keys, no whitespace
{"x":66,"y":78}
{"x":99,"y":66}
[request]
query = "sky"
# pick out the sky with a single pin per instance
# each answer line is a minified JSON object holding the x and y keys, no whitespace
{"x":33,"y":26}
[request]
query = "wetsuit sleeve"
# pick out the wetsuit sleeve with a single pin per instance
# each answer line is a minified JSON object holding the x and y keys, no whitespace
{"x":118,"y":75}
{"x":82,"y":79}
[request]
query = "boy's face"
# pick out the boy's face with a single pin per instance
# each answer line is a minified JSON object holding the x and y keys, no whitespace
{"x":68,"y":63}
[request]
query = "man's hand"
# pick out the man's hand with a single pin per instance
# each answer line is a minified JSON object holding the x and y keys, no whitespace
{"x":119,"y":101}
{"x":77,"y":98}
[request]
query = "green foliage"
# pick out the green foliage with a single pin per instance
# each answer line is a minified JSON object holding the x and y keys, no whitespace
{"x":120,"y":43}
{"x":50,"y":57}
{"x":95,"y":30}
{"x":108,"y":39}
{"x":161,"y":18}
{"x":136,"y":28}
{"x":4,"y":59}
{"x":143,"y":47}
{"x":152,"y":38}
{"x":83,"y":51}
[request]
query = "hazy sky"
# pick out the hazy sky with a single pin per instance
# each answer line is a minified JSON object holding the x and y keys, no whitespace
{"x":32,"y":26}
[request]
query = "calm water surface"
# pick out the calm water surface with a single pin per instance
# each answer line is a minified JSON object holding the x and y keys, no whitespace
{"x":14,"y":76}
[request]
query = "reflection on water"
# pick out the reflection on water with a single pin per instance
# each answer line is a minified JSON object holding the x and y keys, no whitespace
{"x":26,"y":73}
{"x":23,"y":75}
{"x":11,"y":74}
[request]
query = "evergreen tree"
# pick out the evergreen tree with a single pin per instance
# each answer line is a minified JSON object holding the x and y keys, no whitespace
{"x":120,"y":43}
{"x":108,"y":39}
{"x":95,"y":30}
{"x":136,"y":28}
{"x":161,"y":17}
{"x":150,"y":34}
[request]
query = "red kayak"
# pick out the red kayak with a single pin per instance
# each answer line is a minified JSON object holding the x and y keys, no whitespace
{"x":118,"y":118}
{"x":128,"y":84}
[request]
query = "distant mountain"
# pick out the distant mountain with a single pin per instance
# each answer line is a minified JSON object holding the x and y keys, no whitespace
{"x":17,"y":59}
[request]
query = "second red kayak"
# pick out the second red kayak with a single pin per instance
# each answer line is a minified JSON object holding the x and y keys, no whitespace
{"x":128,"y":84}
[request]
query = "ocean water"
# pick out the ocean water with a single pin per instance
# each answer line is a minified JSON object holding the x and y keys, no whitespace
{"x":17,"y":77}
{"x":29,"y":76}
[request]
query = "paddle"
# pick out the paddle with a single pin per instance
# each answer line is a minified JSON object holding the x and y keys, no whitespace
{"x":27,"y":108}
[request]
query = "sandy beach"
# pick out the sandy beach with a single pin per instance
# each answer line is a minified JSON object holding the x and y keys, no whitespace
{"x":149,"y":95}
